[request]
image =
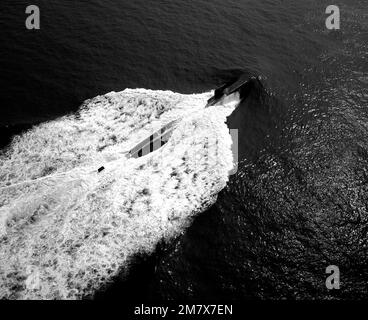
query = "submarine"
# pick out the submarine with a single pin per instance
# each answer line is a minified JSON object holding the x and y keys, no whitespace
{"x":239,"y":88}
{"x":243,"y":85}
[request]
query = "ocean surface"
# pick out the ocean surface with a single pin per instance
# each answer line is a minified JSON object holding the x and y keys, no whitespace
{"x":299,"y":200}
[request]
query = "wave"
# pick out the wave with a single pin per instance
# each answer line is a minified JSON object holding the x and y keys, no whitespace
{"x":67,"y":229}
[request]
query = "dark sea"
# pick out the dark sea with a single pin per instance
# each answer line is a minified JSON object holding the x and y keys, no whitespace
{"x":299,"y":201}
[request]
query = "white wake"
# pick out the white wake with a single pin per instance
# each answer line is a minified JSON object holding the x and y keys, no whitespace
{"x":66,"y":229}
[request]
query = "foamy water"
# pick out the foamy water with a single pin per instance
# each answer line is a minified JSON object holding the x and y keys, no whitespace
{"x":65,"y":229}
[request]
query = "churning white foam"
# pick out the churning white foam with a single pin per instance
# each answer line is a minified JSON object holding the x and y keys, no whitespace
{"x":66,"y":229}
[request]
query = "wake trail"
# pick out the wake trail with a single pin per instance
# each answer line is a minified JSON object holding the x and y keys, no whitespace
{"x":68,"y":233}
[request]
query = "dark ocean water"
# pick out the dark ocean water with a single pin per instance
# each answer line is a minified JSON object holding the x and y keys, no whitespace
{"x":86,"y":48}
{"x":299,"y":200}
